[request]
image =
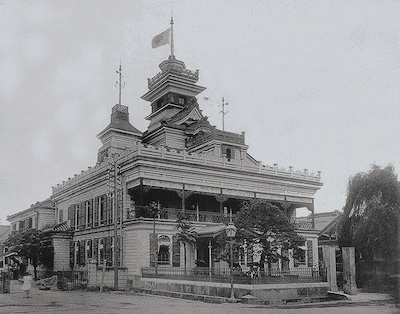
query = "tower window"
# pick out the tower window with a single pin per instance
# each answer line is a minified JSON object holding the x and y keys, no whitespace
{"x":181,"y":100}
{"x":228,"y":153}
{"x":159,"y":103}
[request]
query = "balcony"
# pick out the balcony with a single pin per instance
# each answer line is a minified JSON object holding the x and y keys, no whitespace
{"x":173,"y":214}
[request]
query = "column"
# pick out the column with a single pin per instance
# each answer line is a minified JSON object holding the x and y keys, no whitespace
{"x":349,"y":270}
{"x":330,"y":262}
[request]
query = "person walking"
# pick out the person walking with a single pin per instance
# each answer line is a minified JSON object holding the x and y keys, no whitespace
{"x":27,"y":279}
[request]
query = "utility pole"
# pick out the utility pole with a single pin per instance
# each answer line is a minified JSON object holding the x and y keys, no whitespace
{"x":114,"y":188}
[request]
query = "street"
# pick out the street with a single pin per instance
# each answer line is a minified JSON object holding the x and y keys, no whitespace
{"x":54,"y":301}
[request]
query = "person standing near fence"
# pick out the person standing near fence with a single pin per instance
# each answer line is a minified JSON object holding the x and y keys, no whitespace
{"x":27,"y":279}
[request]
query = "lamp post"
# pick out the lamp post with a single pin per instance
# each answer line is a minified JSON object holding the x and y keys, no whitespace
{"x":230,"y":233}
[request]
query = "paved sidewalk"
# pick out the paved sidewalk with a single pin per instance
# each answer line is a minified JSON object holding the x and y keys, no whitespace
{"x":70,"y":300}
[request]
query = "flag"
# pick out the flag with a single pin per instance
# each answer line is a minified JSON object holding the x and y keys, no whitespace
{"x":161,"y":39}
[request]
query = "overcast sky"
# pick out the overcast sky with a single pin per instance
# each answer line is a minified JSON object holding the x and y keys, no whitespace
{"x":314,"y":84}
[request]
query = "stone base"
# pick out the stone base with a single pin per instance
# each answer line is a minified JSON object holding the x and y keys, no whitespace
{"x":251,"y":294}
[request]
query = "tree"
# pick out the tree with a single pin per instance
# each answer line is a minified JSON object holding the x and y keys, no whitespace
{"x":29,"y":244}
{"x":270,"y":230}
{"x":186,"y":234}
{"x":371,"y":214}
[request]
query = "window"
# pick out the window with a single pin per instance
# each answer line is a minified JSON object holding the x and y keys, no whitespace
{"x":88,"y":249}
{"x":88,"y":213}
{"x":76,"y":253}
{"x":228,"y":153}
{"x":164,"y":250}
{"x":30,"y":222}
{"x":181,"y":100}
{"x":60,"y":215}
{"x":14,"y":227}
{"x":100,"y":252}
{"x":21,"y":224}
{"x":102,"y":210}
{"x":77,"y":217}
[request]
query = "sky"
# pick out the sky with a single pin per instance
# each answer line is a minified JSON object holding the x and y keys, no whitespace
{"x":314,"y":84}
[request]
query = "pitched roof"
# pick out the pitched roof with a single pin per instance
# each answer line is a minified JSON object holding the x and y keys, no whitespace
{"x":122,"y":125}
{"x":321,"y":220}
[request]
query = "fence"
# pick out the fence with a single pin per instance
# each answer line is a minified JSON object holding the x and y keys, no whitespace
{"x":4,"y":282}
{"x":72,"y":280}
{"x":240,"y":276}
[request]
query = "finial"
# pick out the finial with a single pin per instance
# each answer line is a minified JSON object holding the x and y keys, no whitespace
{"x":172,"y":34}
{"x":119,"y":83}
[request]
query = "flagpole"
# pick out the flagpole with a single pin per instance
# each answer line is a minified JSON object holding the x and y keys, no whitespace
{"x":172,"y":36}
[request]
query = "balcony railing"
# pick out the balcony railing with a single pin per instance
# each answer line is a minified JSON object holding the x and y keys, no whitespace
{"x":303,"y":224}
{"x":240,"y":274}
{"x":173,"y":214}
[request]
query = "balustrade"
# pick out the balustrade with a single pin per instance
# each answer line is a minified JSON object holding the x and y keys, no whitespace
{"x":173,"y":214}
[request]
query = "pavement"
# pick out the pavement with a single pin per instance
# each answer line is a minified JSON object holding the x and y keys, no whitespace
{"x":55,"y":301}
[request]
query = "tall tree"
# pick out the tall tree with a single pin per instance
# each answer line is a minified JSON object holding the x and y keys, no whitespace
{"x":272,"y":232}
{"x":371,"y":213}
{"x":29,"y":244}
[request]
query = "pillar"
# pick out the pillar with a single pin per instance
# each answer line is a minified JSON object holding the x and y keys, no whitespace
{"x":92,"y":272}
{"x":349,"y":270}
{"x":330,"y":262}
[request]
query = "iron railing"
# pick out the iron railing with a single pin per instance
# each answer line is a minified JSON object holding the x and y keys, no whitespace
{"x":240,"y":275}
{"x":173,"y":214}
{"x":72,"y":280}
{"x":5,"y":282}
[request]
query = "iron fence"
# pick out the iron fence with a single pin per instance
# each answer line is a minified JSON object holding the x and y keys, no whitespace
{"x":72,"y":280}
{"x":5,"y":282}
{"x":240,"y":276}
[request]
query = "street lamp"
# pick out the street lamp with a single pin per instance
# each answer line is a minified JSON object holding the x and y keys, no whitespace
{"x":230,"y":233}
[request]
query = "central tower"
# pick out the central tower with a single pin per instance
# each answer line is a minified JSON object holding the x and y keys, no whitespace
{"x":170,"y":91}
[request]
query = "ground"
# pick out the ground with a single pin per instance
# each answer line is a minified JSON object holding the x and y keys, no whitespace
{"x":54,"y":301}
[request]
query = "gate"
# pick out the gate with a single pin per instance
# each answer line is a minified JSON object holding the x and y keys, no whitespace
{"x":4,"y":282}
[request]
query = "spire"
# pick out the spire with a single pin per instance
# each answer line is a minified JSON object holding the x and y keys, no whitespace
{"x":119,"y":82}
{"x":172,"y":35}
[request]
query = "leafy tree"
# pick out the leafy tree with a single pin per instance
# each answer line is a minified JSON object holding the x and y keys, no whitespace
{"x":371,"y":213}
{"x":266,"y":229}
{"x":29,"y":244}
{"x":186,"y":233}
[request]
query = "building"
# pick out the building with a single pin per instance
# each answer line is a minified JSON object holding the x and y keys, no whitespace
{"x":181,"y":163}
{"x":40,"y":216}
{"x":326,"y":224}
{"x":4,"y":232}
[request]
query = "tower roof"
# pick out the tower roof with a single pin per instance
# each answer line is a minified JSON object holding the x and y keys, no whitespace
{"x":174,"y":77}
{"x":120,"y":122}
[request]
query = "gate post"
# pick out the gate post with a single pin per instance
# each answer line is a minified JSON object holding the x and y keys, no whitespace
{"x":349,"y":271}
{"x":330,"y":262}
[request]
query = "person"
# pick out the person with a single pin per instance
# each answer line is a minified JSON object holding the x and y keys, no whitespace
{"x":27,"y":279}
